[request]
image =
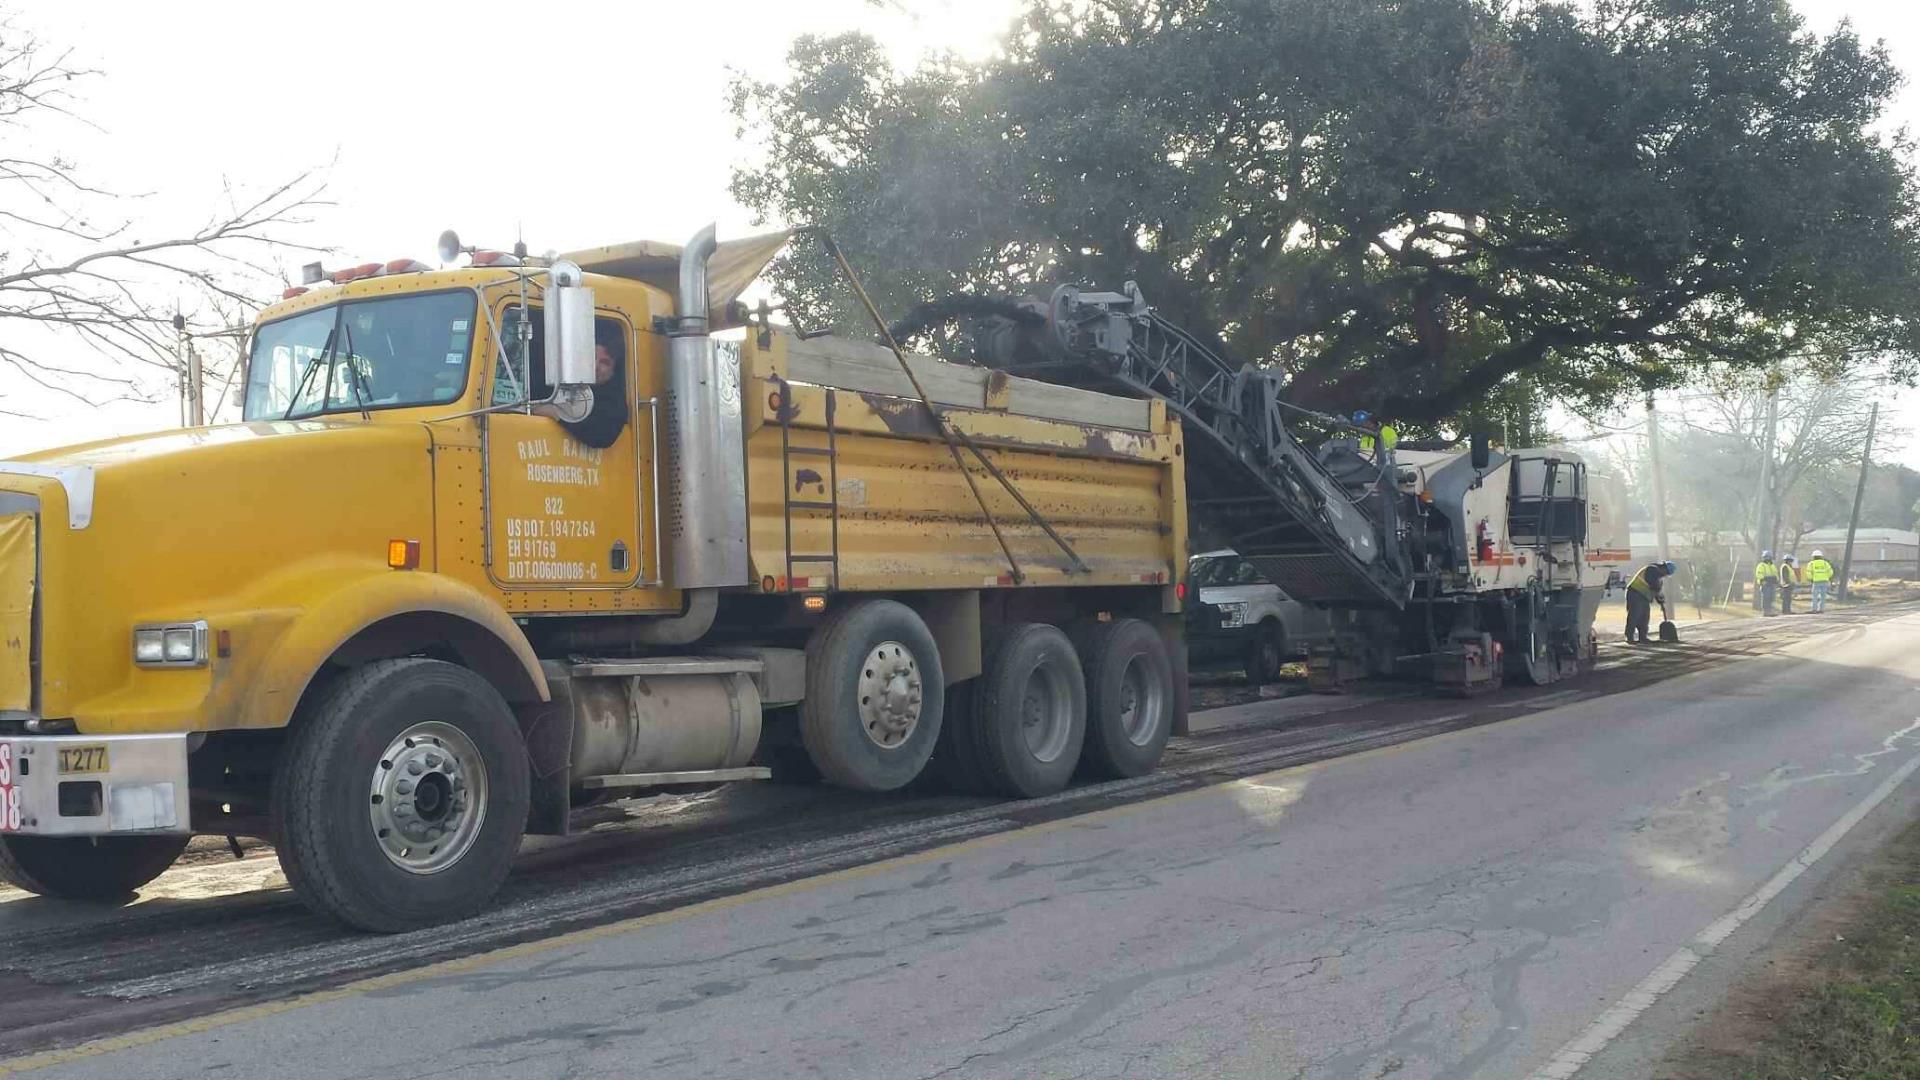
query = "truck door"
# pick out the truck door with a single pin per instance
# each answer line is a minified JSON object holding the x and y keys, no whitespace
{"x":562,"y":514}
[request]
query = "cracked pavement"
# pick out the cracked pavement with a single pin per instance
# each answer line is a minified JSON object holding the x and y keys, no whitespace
{"x":1455,"y":907}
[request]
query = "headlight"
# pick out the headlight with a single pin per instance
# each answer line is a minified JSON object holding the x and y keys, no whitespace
{"x":170,"y":645}
{"x":148,"y":646}
{"x":1233,"y":614}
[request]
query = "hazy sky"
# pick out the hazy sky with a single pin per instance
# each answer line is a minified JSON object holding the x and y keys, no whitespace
{"x":572,"y":124}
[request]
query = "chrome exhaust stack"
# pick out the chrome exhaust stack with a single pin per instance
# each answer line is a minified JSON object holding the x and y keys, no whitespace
{"x":705,"y":502}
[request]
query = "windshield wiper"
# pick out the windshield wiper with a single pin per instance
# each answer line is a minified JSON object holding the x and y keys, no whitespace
{"x":306,"y":377}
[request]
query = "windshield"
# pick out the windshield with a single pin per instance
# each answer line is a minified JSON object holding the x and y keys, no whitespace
{"x":386,"y":353}
{"x":1223,"y":570}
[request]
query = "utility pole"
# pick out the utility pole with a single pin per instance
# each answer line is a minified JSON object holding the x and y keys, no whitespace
{"x":1659,"y":480}
{"x":195,"y":406}
{"x":1859,"y":492}
{"x":1767,"y":526}
{"x":1762,"y":533}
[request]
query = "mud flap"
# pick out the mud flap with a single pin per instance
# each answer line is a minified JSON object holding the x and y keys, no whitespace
{"x":548,"y":729}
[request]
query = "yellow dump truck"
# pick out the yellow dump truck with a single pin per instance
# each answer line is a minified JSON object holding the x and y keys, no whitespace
{"x":495,"y":541}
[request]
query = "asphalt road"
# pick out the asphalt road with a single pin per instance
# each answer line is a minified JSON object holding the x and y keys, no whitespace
{"x":1396,"y":887}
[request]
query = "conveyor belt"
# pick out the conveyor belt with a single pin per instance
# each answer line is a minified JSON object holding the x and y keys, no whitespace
{"x":1250,"y":484}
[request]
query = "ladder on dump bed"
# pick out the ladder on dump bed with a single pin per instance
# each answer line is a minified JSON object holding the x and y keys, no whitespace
{"x":1250,"y":483}
{"x":796,"y":480}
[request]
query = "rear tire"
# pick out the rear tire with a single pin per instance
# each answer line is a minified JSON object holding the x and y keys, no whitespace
{"x":875,"y":696}
{"x":1030,"y":712}
{"x":1130,"y":698}
{"x":1266,"y":652}
{"x":98,"y":869}
{"x":402,"y":796}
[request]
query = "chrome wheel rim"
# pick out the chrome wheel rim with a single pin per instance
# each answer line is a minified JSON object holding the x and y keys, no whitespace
{"x":891,"y":695}
{"x":1143,"y":700}
{"x":1046,"y":712}
{"x":428,"y":797}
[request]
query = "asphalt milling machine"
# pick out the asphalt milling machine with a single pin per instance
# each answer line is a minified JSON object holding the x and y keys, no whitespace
{"x":1468,"y":564}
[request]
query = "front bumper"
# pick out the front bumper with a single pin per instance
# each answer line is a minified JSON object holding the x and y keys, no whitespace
{"x":93,"y":785}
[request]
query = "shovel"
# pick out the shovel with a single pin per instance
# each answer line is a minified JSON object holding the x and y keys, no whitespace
{"x":1669,"y":634}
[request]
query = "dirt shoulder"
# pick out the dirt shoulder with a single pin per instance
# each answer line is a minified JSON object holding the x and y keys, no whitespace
{"x":1840,"y":999}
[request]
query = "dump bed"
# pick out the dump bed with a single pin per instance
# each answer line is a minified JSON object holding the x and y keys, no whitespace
{"x":852,"y":487}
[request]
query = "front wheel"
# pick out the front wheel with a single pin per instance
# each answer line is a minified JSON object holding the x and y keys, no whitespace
{"x":1266,"y":652}
{"x":402,"y":796}
{"x":103,"y":869}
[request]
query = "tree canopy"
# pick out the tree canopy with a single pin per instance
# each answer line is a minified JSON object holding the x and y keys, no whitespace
{"x":1408,"y":205}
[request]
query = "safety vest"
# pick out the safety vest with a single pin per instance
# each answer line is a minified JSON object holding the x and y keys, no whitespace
{"x":1388,"y":435}
{"x":1640,"y":584}
{"x":1763,"y":572}
{"x":1819,"y":571}
{"x":1789,"y":575}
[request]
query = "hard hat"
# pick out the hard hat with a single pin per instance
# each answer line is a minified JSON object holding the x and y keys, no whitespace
{"x":1668,"y":566}
{"x":1766,"y":554}
{"x":1818,"y":554}
{"x":1362,"y":416}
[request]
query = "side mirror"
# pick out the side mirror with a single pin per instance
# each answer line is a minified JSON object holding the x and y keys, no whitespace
{"x":1481,"y":454}
{"x":569,"y":323}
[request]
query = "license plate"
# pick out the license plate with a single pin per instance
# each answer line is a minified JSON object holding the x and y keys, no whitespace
{"x":9,"y":794}
{"x":82,"y":759}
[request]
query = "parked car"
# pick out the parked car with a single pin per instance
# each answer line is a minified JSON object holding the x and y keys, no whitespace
{"x":1240,"y":616}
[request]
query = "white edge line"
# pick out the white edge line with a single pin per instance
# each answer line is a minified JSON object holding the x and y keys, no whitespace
{"x":1608,"y":1025}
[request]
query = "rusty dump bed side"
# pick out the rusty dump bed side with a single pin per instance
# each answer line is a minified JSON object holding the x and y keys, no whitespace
{"x":1106,"y":472}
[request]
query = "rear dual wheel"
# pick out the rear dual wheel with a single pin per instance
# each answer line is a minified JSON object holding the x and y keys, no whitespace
{"x":1130,"y":697}
{"x":1029,"y":718}
{"x":1101,"y":700}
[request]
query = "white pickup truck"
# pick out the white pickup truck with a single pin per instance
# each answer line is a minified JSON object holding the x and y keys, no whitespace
{"x":1240,"y":616}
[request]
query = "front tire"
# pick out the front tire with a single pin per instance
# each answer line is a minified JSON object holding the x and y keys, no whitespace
{"x":1130,"y":698}
{"x":875,"y":696}
{"x":1266,"y":652}
{"x":1030,"y":712}
{"x":402,"y":796}
{"x":99,"y":869}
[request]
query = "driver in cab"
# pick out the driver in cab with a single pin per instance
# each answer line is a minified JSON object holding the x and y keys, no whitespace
{"x":602,"y":425}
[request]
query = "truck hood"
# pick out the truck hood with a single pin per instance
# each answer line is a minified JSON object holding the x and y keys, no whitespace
{"x":78,"y":467}
{"x":155,"y":444}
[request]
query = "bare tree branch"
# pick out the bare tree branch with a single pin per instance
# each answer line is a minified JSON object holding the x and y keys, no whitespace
{"x":73,"y":272}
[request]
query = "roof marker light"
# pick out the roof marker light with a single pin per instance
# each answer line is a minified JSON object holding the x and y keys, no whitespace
{"x":341,"y":277}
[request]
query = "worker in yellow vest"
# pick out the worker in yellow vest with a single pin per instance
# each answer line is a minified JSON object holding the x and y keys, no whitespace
{"x":1389,"y":436}
{"x":1789,"y":581}
{"x":1766,"y":578}
{"x":1647,"y":588}
{"x":1820,"y":577}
